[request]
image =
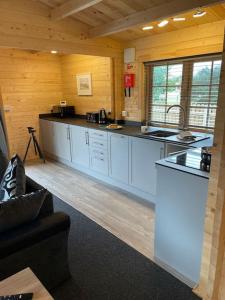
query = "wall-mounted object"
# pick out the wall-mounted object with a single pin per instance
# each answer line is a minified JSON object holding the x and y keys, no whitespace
{"x":129,"y":55}
{"x":84,"y":84}
{"x":129,"y":81}
{"x":124,"y":113}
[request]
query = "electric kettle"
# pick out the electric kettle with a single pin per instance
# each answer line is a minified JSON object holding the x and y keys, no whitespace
{"x":102,"y":116}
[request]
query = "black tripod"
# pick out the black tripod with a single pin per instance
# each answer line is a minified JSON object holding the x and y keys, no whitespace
{"x":37,"y":148}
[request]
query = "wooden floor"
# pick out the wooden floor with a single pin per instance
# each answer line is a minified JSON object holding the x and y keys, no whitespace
{"x":125,"y":216}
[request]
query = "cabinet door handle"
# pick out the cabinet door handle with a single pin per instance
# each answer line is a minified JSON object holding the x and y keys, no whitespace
{"x":68,"y":133}
{"x":87,"y":137}
{"x":96,"y":143}
{"x":98,"y":152}
{"x":161,"y":152}
{"x":98,"y":158}
{"x":98,"y":134}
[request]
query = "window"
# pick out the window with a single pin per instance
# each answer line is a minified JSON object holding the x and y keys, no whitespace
{"x":204,"y":93}
{"x":194,"y":84}
{"x":166,"y":91}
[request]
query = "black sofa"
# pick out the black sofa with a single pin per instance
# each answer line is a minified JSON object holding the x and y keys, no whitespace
{"x":40,"y":245}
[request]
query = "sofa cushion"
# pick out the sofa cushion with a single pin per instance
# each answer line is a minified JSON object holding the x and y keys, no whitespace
{"x":3,"y":164}
{"x":21,"y":209}
{"x":47,"y":207}
{"x":14,"y":180}
{"x":31,"y":233}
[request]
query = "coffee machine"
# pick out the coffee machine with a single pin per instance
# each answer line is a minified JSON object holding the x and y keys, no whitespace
{"x":102,"y":116}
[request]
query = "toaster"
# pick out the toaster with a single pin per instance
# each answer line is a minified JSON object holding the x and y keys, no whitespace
{"x":92,"y":117}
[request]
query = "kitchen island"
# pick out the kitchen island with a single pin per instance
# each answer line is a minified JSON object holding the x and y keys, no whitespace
{"x":181,"y":196}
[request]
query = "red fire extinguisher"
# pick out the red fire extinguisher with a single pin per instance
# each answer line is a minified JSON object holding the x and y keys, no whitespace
{"x":128,"y":83}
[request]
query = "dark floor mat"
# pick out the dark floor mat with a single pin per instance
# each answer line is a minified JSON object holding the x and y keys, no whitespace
{"x":105,"y":268}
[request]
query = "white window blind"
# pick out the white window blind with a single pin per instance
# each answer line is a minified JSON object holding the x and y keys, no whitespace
{"x":192,"y":83}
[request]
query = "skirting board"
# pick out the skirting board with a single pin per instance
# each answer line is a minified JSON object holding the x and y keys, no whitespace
{"x":106,"y":179}
{"x":175,"y":273}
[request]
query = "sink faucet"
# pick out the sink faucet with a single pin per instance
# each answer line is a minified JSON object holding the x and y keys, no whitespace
{"x":181,"y":127}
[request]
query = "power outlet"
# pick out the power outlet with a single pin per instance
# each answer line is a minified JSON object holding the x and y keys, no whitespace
{"x":124,"y":113}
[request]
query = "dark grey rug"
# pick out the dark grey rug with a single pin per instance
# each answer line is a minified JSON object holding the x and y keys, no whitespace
{"x":105,"y":268}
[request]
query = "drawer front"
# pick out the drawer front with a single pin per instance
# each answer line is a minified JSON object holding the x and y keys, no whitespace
{"x":99,"y":161}
{"x":98,"y":143}
{"x":98,"y":134}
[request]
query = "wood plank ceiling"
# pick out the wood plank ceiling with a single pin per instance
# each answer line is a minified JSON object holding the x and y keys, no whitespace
{"x":99,"y":13}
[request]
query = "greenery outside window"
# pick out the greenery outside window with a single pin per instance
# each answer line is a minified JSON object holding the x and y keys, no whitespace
{"x":192,"y":83}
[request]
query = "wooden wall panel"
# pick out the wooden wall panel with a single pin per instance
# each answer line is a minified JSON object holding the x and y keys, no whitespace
{"x":197,"y":40}
{"x":100,"y":69}
{"x":30,"y":85}
{"x":212,"y":273}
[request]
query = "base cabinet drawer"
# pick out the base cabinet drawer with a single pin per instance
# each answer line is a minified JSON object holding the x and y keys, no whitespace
{"x":97,"y":143}
{"x":98,"y":134}
{"x":99,"y":161}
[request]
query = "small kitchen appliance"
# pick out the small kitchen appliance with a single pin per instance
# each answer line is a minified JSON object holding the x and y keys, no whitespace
{"x":92,"y":117}
{"x":206,"y":156}
{"x":102,"y":116}
{"x":63,"y":111}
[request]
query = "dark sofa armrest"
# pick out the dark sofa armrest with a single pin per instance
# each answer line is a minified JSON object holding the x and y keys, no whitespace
{"x":47,"y":207}
{"x":30,"y":233}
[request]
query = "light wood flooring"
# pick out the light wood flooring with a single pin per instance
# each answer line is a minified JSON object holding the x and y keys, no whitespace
{"x":127,"y":217}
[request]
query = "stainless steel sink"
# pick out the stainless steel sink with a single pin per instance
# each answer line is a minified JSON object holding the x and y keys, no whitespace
{"x":160,"y":133}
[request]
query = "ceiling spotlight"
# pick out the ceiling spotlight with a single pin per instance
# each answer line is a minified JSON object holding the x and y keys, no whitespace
{"x":178,"y":19}
{"x":163,"y":23}
{"x":147,"y":28}
{"x":199,"y":13}
{"x":54,"y":51}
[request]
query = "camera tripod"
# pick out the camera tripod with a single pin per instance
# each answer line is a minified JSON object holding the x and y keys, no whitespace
{"x":37,"y":148}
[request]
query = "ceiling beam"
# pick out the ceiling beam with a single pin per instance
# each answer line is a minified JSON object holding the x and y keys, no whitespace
{"x":159,"y":12}
{"x":71,"y":7}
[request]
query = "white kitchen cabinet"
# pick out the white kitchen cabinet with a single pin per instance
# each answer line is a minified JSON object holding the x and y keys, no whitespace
{"x":80,"y":146}
{"x":55,"y":138}
{"x":119,"y":157}
{"x":143,"y":155}
{"x":120,"y":160}
{"x":62,"y":141}
{"x":47,"y":136}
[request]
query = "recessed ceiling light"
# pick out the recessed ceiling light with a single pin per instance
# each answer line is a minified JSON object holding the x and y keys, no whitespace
{"x":199,"y":13}
{"x":163,"y":23}
{"x":147,"y":27}
{"x":178,"y":19}
{"x":54,"y":51}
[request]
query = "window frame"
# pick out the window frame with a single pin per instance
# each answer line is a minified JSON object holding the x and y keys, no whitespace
{"x":186,"y":88}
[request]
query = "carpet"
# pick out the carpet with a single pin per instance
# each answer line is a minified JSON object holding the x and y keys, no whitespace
{"x":105,"y":268}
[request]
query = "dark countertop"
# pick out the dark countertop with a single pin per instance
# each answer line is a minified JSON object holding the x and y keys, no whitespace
{"x":134,"y":131}
{"x":194,"y":154}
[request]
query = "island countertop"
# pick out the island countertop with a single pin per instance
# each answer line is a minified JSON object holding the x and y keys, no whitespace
{"x":193,"y":167}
